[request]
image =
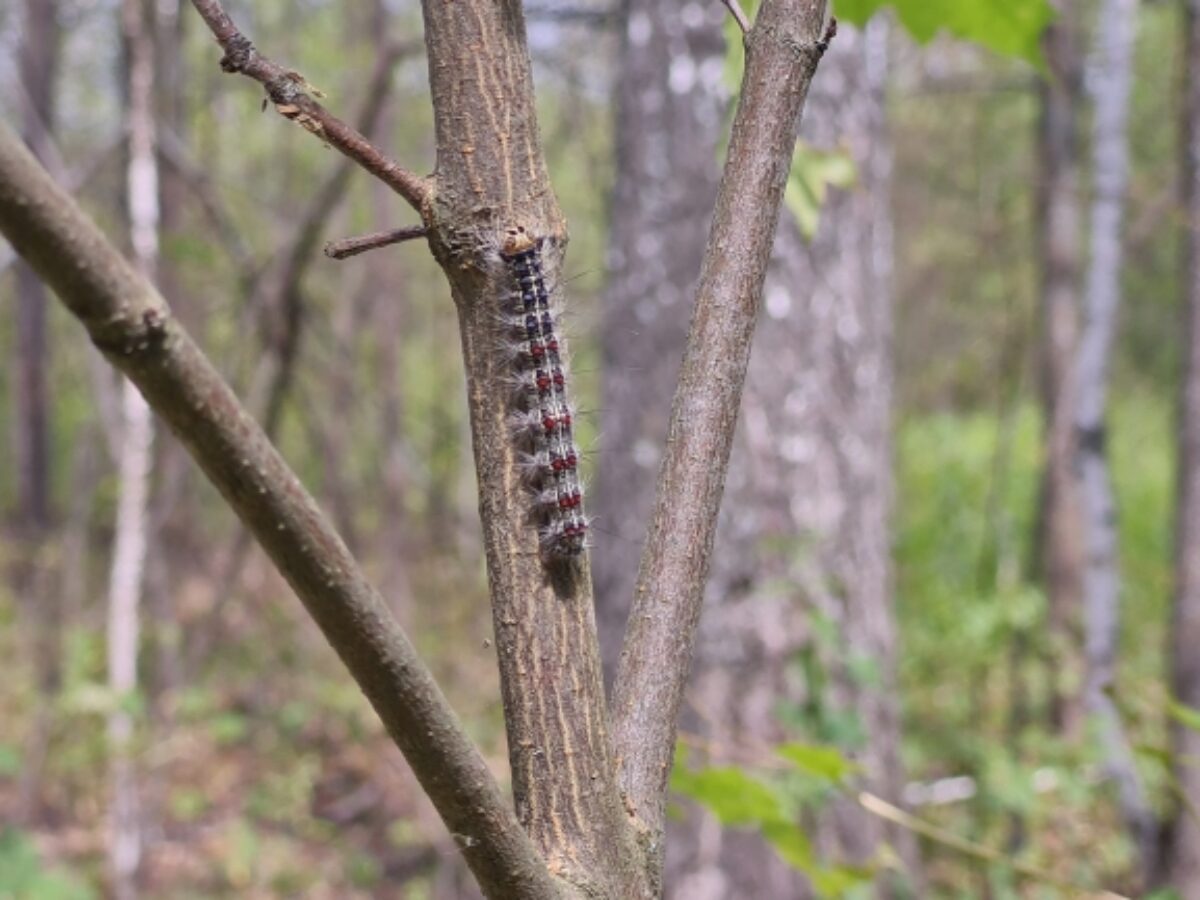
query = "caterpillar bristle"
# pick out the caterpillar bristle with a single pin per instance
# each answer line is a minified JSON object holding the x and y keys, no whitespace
{"x":530,"y":342}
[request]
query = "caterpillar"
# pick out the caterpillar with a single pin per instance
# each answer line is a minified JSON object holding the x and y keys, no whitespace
{"x":543,"y":420}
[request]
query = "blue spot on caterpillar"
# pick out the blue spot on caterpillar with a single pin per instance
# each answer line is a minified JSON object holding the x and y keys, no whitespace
{"x":543,"y":423}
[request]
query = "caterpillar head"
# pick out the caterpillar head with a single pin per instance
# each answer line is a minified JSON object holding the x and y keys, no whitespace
{"x":517,"y":240}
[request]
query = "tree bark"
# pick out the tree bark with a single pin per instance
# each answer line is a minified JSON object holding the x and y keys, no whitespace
{"x":38,"y":59}
{"x":133,"y":465}
{"x":667,"y":140}
{"x":1180,"y":859}
{"x":38,"y":67}
{"x":132,"y":325}
{"x":808,"y":534}
{"x":490,"y":180}
{"x":1059,"y":545}
{"x":782,"y":53}
{"x":669,"y":127}
{"x":1111,"y":88}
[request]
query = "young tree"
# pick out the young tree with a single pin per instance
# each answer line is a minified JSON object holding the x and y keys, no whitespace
{"x":38,"y":62}
{"x":589,"y":800}
{"x":1059,"y":240}
{"x":127,"y":572}
{"x":1111,"y":88}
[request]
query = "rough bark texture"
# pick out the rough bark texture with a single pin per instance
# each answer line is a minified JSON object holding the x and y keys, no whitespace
{"x":1111,"y":88}
{"x":491,"y":177}
{"x":671,"y":101}
{"x":782,"y":53}
{"x":1181,"y":856}
{"x":669,"y":127}
{"x":132,"y":325}
{"x":806,"y":532}
{"x":1059,"y":248}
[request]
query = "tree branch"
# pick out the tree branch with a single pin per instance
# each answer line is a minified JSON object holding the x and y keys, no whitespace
{"x":282,"y":284}
{"x":782,"y":52}
{"x":279,"y":284}
{"x":348,"y":247}
{"x":290,"y":93}
{"x":132,"y":325}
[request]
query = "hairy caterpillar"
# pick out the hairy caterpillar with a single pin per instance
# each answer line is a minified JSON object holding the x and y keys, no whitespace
{"x":543,"y":422}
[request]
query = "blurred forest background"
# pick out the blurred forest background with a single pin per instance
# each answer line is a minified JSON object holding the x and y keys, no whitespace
{"x":910,"y":537}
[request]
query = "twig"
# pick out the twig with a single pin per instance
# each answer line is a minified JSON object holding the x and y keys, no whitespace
{"x":877,"y":806}
{"x":132,"y":324}
{"x":290,"y":93}
{"x":348,"y":247}
{"x":738,"y":14}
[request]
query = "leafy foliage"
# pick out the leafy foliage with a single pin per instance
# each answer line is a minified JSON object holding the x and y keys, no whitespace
{"x":740,"y":800}
{"x":1008,"y":27}
{"x":22,"y":873}
{"x":813,"y":173}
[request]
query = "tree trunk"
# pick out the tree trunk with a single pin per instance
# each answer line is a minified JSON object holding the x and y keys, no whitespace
{"x":38,"y":65}
{"x":1181,"y":845}
{"x":134,"y":463}
{"x":1059,"y":546}
{"x":591,"y":810}
{"x":667,"y":141}
{"x":669,"y":127}
{"x":806,"y":535}
{"x":1101,"y":583}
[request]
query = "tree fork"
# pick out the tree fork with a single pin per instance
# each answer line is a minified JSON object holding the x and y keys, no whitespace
{"x":131,"y":324}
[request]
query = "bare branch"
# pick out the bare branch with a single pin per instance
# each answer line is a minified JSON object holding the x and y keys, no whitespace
{"x":132,"y":325}
{"x":290,"y":93}
{"x":786,"y":44}
{"x":281,"y":284}
{"x":738,"y":14}
{"x":348,"y":247}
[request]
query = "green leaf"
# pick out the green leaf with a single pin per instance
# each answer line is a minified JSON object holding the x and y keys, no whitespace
{"x":1187,"y":716}
{"x":729,"y":794}
{"x":22,"y":873}
{"x":813,"y":173}
{"x":826,"y":763}
{"x":791,"y":844}
{"x":228,"y":728}
{"x":1008,"y":27}
{"x":10,"y":761}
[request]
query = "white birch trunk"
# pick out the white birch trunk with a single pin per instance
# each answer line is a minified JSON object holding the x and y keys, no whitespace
{"x":134,"y":464}
{"x":1110,"y":84}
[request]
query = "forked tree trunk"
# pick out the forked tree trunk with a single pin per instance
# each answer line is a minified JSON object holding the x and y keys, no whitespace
{"x":1181,"y":844}
{"x":589,"y":809}
{"x":134,"y":464}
